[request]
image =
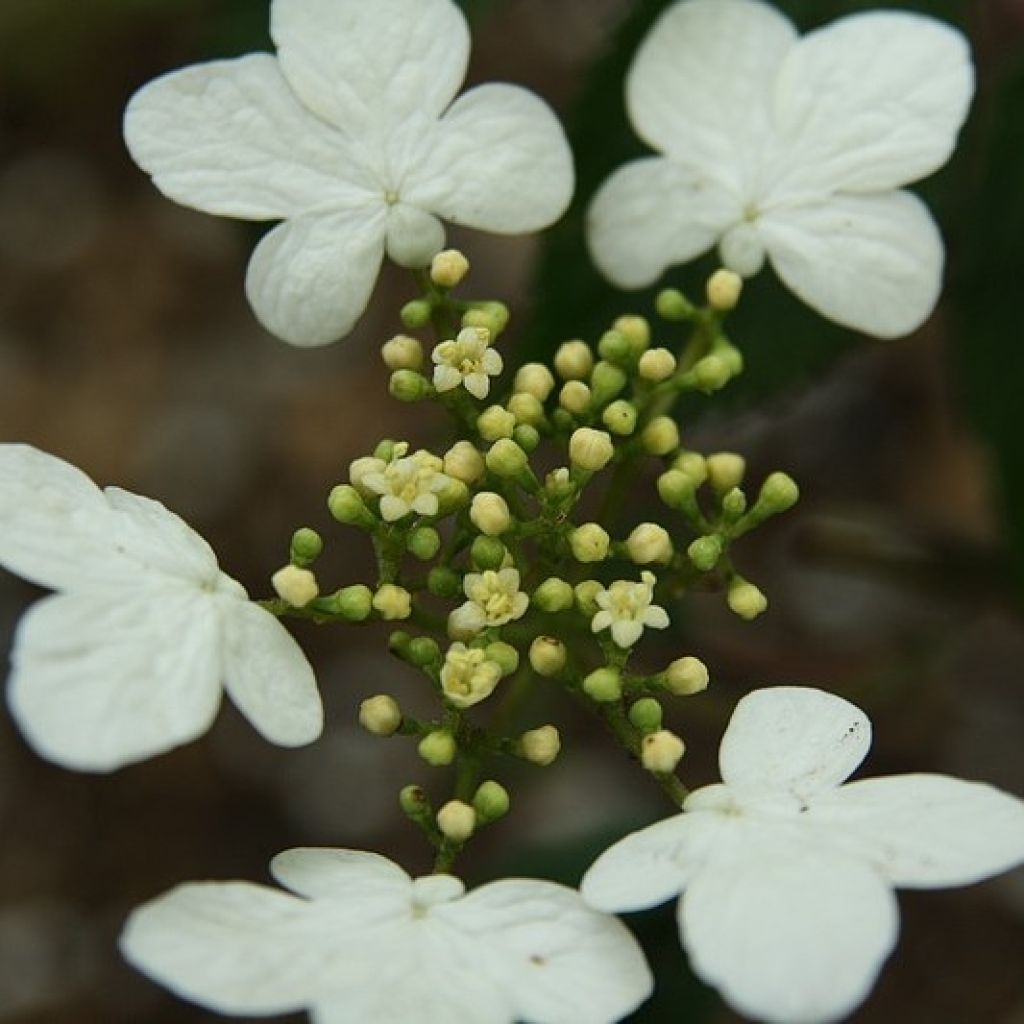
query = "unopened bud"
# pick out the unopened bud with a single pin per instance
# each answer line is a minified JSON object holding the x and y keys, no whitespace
{"x":693,"y":465}
{"x":506,"y":459}
{"x":686,"y":676}
{"x":415,"y":314}
{"x":723,"y":290}
{"x":676,"y":488}
{"x":648,"y":543}
{"x":487,"y":553}
{"x":295,"y":586}
{"x":589,"y":543}
{"x":603,"y":685}
{"x":448,"y":268}
{"x":671,"y":304}
{"x":590,"y":449}
{"x":734,"y":504}
{"x":444,"y":582}
{"x":620,"y":417}
{"x":489,"y":513}
{"x":553,"y":595}
{"x":456,"y":820}
{"x":574,"y":360}
{"x":661,"y":751}
{"x":606,"y":382}
{"x":414,"y":802}
{"x":712,"y":373}
{"x":646,"y":715}
{"x":547,"y":656}
{"x":438,"y":748}
{"x":660,"y":436}
{"x":526,"y":408}
{"x":586,"y":597}
{"x":408,"y":386}
{"x":355,"y":602}
{"x":464,"y":461}
{"x":779,"y":493}
{"x":380,"y":715}
{"x":402,"y":353}
{"x":705,"y":552}
{"x":636,"y":330}
{"x":657,"y":364}
{"x":535,"y":379}
{"x":746,"y":600}
{"x":526,"y":437}
{"x":393,"y":602}
{"x":346,"y":505}
{"x":306,"y":547}
{"x":504,"y":655}
{"x":615,"y":347}
{"x":423,"y":543}
{"x":495,"y":423}
{"x":575,"y":397}
{"x":725,"y":470}
{"x":424,"y":651}
{"x":490,"y":801}
{"x":493,"y":316}
{"x":540,"y":746}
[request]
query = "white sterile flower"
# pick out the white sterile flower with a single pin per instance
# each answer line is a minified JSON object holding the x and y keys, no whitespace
{"x":362,"y":941}
{"x":350,"y":137}
{"x":131,"y":657}
{"x":790,"y":148}
{"x":626,"y":608}
{"x":494,"y":599}
{"x":408,"y":484}
{"x":787,"y":875}
{"x":468,"y":360}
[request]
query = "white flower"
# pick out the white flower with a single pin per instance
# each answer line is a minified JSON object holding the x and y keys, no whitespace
{"x":407,"y":484}
{"x":363,"y":942}
{"x":494,"y":599}
{"x":468,"y":360}
{"x":131,"y":657}
{"x":787,"y":875}
{"x":349,"y":135}
{"x":791,"y":148}
{"x":468,"y":676}
{"x":626,"y":609}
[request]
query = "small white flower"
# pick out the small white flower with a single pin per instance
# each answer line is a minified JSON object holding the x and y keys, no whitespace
{"x":626,"y":609}
{"x":350,"y":137}
{"x":790,"y":148}
{"x":468,"y":676}
{"x":362,"y":941}
{"x":494,"y":599}
{"x":787,"y":875}
{"x":408,"y":484}
{"x":468,"y":360}
{"x":131,"y":657}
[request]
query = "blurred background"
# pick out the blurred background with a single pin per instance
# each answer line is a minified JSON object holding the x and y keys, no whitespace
{"x":127,"y":347}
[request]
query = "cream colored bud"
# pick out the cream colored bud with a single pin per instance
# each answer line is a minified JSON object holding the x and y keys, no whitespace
{"x":541,"y":746}
{"x":686,"y":676}
{"x":693,"y":465}
{"x":589,"y":543}
{"x":402,"y":353}
{"x":648,"y":543}
{"x":494,"y":423}
{"x":661,"y":751}
{"x":526,"y":408}
{"x":725,"y":470}
{"x":547,"y":656}
{"x":574,"y":360}
{"x":456,"y":820}
{"x":723,"y":290}
{"x":575,"y":397}
{"x":393,"y":602}
{"x":636,"y":330}
{"x":746,"y":600}
{"x":359,"y":468}
{"x":657,"y":364}
{"x":380,"y":715}
{"x":660,"y":436}
{"x":590,"y":449}
{"x":535,"y":379}
{"x":296,"y":586}
{"x":586,"y":596}
{"x":489,"y":513}
{"x":448,"y":268}
{"x":465,"y":462}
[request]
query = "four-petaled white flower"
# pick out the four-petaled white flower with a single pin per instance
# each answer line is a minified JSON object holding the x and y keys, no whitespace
{"x":363,"y":942}
{"x":406,"y":484}
{"x":494,"y":599}
{"x":787,"y":875}
{"x":626,"y":609}
{"x":791,"y":148}
{"x":131,"y":657}
{"x":468,"y":676}
{"x":468,"y":360}
{"x":350,"y":137}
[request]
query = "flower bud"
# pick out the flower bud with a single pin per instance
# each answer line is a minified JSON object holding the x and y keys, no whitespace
{"x":408,"y":386}
{"x":606,"y":382}
{"x":705,"y":552}
{"x":490,"y":801}
{"x":424,"y":651}
{"x":295,"y":586}
{"x":661,"y":751}
{"x":660,"y":436}
{"x":402,"y":353}
{"x":575,"y":397}
{"x":686,"y":676}
{"x":648,"y":543}
{"x":393,"y":602}
{"x":493,"y":316}
{"x":615,"y":347}
{"x":646,"y":715}
{"x":712,"y":373}
{"x":487,"y":553}
{"x":553,"y":595}
{"x":725,"y":470}
{"x":444,"y":582}
{"x":589,"y":543}
{"x":746,"y":600}
{"x":558,"y":484}
{"x":359,"y":469}
{"x":380,"y":715}
{"x":547,"y":656}
{"x":734,"y":504}
{"x":535,"y":379}
{"x":636,"y":330}
{"x":779,"y":493}
{"x":355,"y":602}
{"x":603,"y":685}
{"x":398,"y":643}
{"x":574,"y":360}
{"x":495,"y":423}
{"x":448,"y":268}
{"x":489,"y":513}
{"x":693,"y":465}
{"x":620,"y":417}
{"x":415,"y":314}
{"x":346,"y":505}
{"x":657,"y":364}
{"x":414,"y":802}
{"x":456,"y":820}
{"x":676,"y":488}
{"x":540,"y":746}
{"x":504,"y":655}
{"x":452,"y":496}
{"x":506,"y":459}
{"x":437,"y":748}
{"x":671,"y":304}
{"x":464,"y":461}
{"x":723,"y":290}
{"x":306,"y":546}
{"x":590,"y":449}
{"x":526,"y":437}
{"x":586,"y":597}
{"x":423,"y":543}
{"x":526,"y":408}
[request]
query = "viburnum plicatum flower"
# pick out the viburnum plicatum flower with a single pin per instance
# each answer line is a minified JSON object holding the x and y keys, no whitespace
{"x":468,"y":360}
{"x":627,"y":608}
{"x":494,"y":599}
{"x":350,"y":137}
{"x":363,"y":942}
{"x":787,"y":875}
{"x":131,"y":656}
{"x":407,"y":484}
{"x":791,"y":149}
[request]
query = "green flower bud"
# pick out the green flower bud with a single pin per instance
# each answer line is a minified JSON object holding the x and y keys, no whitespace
{"x":606,"y":382}
{"x":723,"y":290}
{"x":734,"y":504}
{"x":402,"y":353}
{"x":423,"y":543}
{"x":725,"y":470}
{"x":355,"y":602}
{"x":746,"y":600}
{"x":453,"y":496}
{"x":392,"y":602}
{"x":448,"y":268}
{"x":414,"y":802}
{"x":558,"y":484}
{"x":657,"y":364}
{"x":494,"y":316}
{"x":535,"y":379}
{"x":620,"y":417}
{"x":671,"y":304}
{"x":506,"y":459}
{"x":490,"y":802}
{"x":646,"y":715}
{"x":409,"y":386}
{"x":685,"y":677}
{"x":380,"y":715}
{"x":495,"y":423}
{"x":444,"y":582}
{"x":731,"y":356}
{"x":415,"y":314}
{"x":438,"y":748}
{"x":526,"y":408}
{"x":575,"y":397}
{"x":540,"y":746}
{"x":586,"y":597}
{"x":615,"y":347}
{"x":590,"y":449}
{"x":660,"y":436}
{"x":307,"y":545}
{"x":779,"y":493}
{"x":456,"y":820}
{"x":398,"y":643}
{"x":661,"y":751}
{"x":424,"y":652}
{"x":712,"y":373}
{"x":547,"y":656}
{"x":676,"y":488}
{"x":504,"y":655}
{"x":574,"y":360}
{"x":705,"y":552}
{"x":346,"y":505}
{"x":487,"y":553}
{"x":603,"y":685}
{"x":553,"y":595}
{"x":527,"y":437}
{"x":389,"y":449}
{"x":589,"y":543}
{"x":636,"y":330}
{"x":693,"y":465}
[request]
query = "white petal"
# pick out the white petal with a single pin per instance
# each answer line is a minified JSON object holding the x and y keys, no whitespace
{"x":655,"y":617}
{"x":793,"y":737}
{"x":654,"y":213}
{"x":230,"y":138}
{"x":343,"y":875}
{"x":873,"y":263}
{"x":310,"y":279}
{"x":498,"y":160}
{"x":626,"y":632}
{"x":446,"y":378}
{"x":267,"y":675}
{"x":477,"y":384}
{"x":557,"y":960}
{"x":701,"y":84}
{"x":926,"y":831}
{"x":234,"y":947}
{"x":871,"y":102}
{"x":652,"y":865}
{"x":367,"y":67}
{"x":602,"y":620}
{"x":55,"y":524}
{"x":414,"y":237}
{"x":100,"y":681}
